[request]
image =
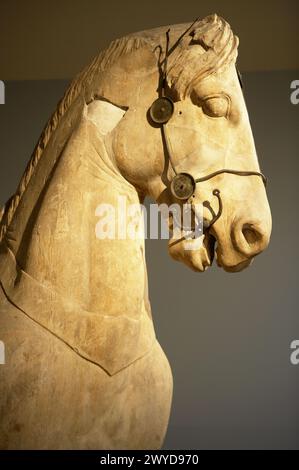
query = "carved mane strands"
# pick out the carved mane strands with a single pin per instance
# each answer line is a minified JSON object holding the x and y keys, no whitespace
{"x":208,"y":48}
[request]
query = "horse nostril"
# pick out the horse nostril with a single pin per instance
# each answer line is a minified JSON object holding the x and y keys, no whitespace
{"x":249,"y":239}
{"x":251,"y":235}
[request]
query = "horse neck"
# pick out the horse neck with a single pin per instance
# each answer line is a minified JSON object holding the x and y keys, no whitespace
{"x":53,"y":233}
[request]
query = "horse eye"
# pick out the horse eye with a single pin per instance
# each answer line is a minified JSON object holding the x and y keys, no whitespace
{"x":216,"y":106}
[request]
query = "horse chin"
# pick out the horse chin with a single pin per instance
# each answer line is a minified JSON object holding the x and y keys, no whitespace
{"x":235,"y":268}
{"x":199,"y":259}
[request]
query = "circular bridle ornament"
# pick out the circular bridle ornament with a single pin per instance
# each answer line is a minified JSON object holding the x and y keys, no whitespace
{"x":161,"y":110}
{"x":183,"y":186}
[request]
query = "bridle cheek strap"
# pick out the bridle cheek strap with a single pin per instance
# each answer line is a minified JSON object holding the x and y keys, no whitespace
{"x":183,"y":185}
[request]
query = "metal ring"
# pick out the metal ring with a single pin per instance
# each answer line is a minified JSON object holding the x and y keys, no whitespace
{"x":183,"y":186}
{"x":161,"y":110}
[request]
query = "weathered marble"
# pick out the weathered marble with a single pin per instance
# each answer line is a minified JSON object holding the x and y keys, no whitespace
{"x":83,"y":366}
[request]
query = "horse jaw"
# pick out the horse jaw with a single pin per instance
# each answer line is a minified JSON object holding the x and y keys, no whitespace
{"x":197,"y":254}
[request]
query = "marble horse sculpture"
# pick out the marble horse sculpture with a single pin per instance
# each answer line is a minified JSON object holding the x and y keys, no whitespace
{"x":158,"y":113}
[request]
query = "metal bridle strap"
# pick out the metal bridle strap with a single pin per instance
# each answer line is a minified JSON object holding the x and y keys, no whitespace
{"x":232,"y":172}
{"x":216,"y":193}
{"x":168,"y":147}
{"x":211,"y":175}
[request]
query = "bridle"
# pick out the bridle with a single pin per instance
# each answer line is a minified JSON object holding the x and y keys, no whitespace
{"x":183,"y":184}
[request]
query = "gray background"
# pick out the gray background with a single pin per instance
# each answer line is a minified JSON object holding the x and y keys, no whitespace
{"x":43,"y":39}
{"x":227,"y":336}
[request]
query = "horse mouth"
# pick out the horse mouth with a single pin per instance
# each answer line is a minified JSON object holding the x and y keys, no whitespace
{"x":236,"y":268}
{"x":213,"y":252}
{"x":210,"y":245}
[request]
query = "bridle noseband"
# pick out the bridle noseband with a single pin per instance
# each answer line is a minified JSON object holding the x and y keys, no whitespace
{"x":183,"y":185}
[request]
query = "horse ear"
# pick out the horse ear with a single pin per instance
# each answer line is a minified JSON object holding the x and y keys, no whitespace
{"x":104,"y":114}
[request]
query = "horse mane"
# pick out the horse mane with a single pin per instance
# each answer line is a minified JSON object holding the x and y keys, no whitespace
{"x":101,"y":62}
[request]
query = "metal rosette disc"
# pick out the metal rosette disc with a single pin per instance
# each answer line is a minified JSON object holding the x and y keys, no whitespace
{"x":183,"y":186}
{"x":161,"y":110}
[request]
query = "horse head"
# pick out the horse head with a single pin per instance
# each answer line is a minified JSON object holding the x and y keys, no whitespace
{"x":199,"y":126}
